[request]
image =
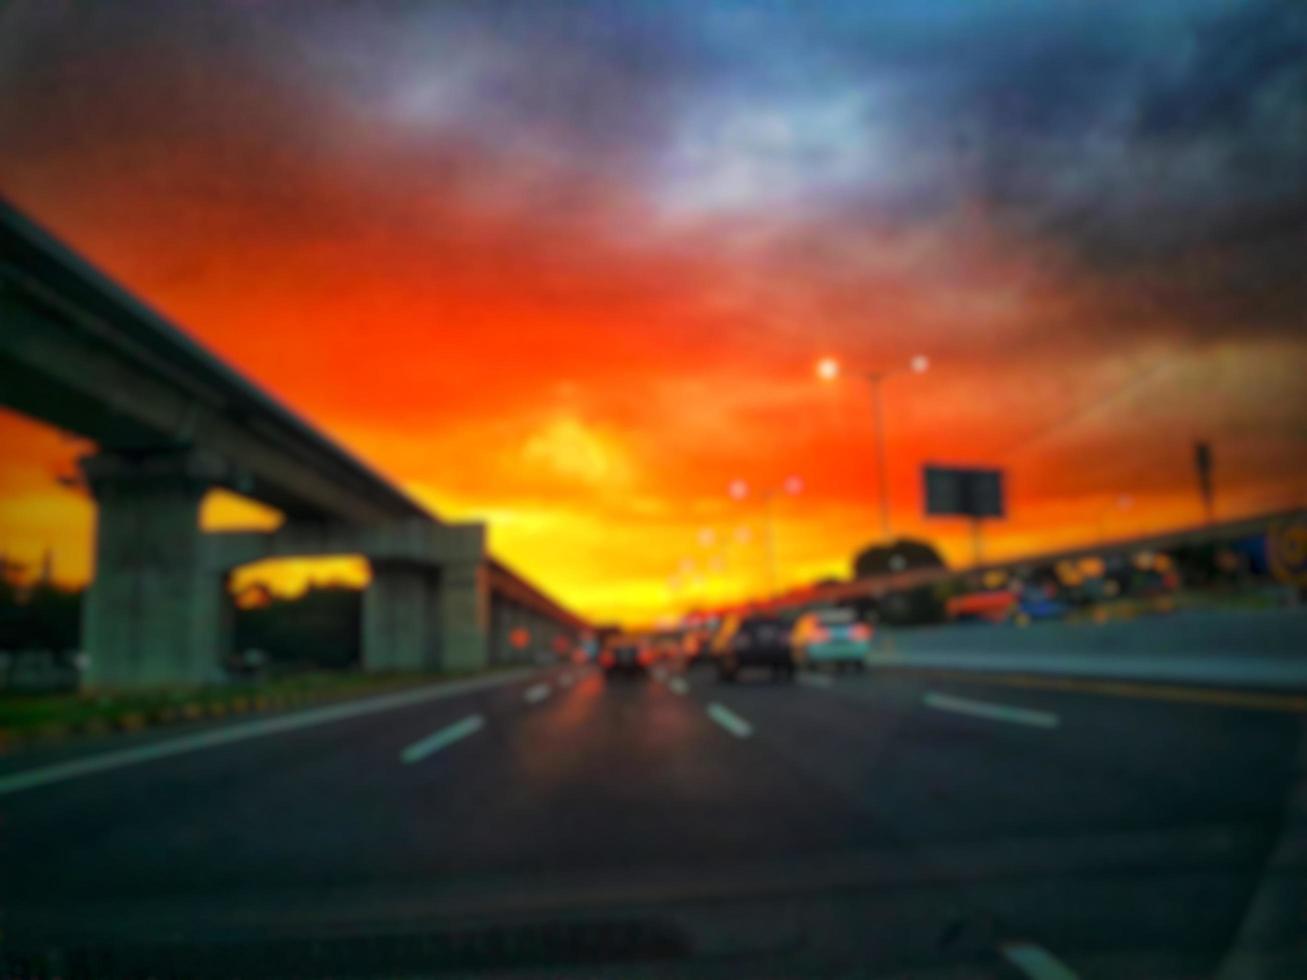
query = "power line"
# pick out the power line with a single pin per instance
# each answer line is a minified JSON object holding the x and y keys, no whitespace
{"x":1081,"y":411}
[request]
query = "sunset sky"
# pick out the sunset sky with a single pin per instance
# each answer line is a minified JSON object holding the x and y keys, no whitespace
{"x":567,"y":267}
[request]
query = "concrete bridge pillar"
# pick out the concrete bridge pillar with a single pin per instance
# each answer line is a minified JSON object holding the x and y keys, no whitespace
{"x":464,"y":616}
{"x":154,"y":611}
{"x":423,"y":617}
{"x":400,"y":618}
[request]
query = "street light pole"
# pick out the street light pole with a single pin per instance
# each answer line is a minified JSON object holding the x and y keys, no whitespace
{"x":792,"y":486}
{"x":828,"y":369}
{"x":882,"y":472}
{"x":771,"y":544}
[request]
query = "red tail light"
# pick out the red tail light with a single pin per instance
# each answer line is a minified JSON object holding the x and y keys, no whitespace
{"x":820,"y":634}
{"x":606,"y":659}
{"x":645,"y":656}
{"x":861,"y":631}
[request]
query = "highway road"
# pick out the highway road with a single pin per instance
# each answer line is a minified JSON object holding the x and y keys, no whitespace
{"x":558,"y":824}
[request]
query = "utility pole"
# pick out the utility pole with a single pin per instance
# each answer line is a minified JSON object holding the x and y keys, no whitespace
{"x":882,"y":475}
{"x":828,"y":369}
{"x":1203,"y":464}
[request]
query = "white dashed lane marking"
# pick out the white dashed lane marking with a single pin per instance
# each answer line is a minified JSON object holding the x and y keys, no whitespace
{"x":729,"y":720}
{"x":443,"y":738}
{"x":1036,"y":962}
{"x":990,"y":711}
{"x":240,"y":732}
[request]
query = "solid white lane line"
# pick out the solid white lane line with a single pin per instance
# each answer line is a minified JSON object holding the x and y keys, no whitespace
{"x":536,"y":693}
{"x":729,"y":720}
{"x":815,"y":680}
{"x":1036,"y":962}
{"x":105,"y":761}
{"x":677,"y":685}
{"x":443,"y":738}
{"x":994,"y":712}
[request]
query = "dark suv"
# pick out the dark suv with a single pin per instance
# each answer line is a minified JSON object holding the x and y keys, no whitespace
{"x":626,"y":655}
{"x":760,"y":641}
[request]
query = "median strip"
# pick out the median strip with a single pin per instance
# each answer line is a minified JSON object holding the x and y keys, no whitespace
{"x":1036,"y":962}
{"x":536,"y":693}
{"x":729,"y":720}
{"x":106,"y":761}
{"x":443,"y":738}
{"x":990,"y":711}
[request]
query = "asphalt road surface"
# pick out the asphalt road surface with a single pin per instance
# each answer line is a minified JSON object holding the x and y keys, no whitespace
{"x":889,"y":824}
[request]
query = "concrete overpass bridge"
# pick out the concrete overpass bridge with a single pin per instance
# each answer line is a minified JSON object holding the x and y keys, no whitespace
{"x":171,"y":422}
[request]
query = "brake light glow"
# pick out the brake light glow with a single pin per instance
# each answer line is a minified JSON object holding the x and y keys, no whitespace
{"x":820,"y":634}
{"x":606,"y":659}
{"x":861,"y":631}
{"x":645,"y":656}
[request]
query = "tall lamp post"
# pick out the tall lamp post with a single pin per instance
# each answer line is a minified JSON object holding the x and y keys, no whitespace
{"x":828,"y":369}
{"x":792,"y":486}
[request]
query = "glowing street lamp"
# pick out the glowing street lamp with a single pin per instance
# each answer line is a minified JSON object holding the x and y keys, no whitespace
{"x":828,"y":369}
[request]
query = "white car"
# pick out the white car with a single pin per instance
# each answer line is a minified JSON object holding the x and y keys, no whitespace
{"x":833,"y":637}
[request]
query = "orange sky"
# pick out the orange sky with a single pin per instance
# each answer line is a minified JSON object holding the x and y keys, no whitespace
{"x":523,"y":322}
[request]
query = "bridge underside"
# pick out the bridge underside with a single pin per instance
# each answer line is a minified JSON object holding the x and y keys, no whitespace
{"x":157,"y":612}
{"x":173,"y":421}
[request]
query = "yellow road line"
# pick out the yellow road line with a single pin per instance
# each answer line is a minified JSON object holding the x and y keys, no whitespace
{"x":1251,"y":700}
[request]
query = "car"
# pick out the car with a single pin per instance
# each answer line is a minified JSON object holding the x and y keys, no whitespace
{"x":831,"y":638}
{"x":667,"y":649}
{"x":759,"y":641}
{"x":626,"y":655}
{"x":696,"y":646}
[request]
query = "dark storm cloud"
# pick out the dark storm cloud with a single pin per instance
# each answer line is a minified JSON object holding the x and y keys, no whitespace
{"x":1160,"y":146}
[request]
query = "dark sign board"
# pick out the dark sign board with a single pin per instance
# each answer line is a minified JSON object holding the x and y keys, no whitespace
{"x":957,"y":491}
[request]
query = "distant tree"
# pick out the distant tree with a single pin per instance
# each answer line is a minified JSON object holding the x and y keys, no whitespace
{"x":55,"y":617}
{"x":901,"y":555}
{"x":39,"y":617}
{"x":317,"y":629}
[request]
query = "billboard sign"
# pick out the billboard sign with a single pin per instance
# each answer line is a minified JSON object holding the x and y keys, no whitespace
{"x":961,"y":491}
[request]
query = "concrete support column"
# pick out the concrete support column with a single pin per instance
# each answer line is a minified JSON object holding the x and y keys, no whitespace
{"x":400,"y":618}
{"x":464,"y":616}
{"x":153,"y":613}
